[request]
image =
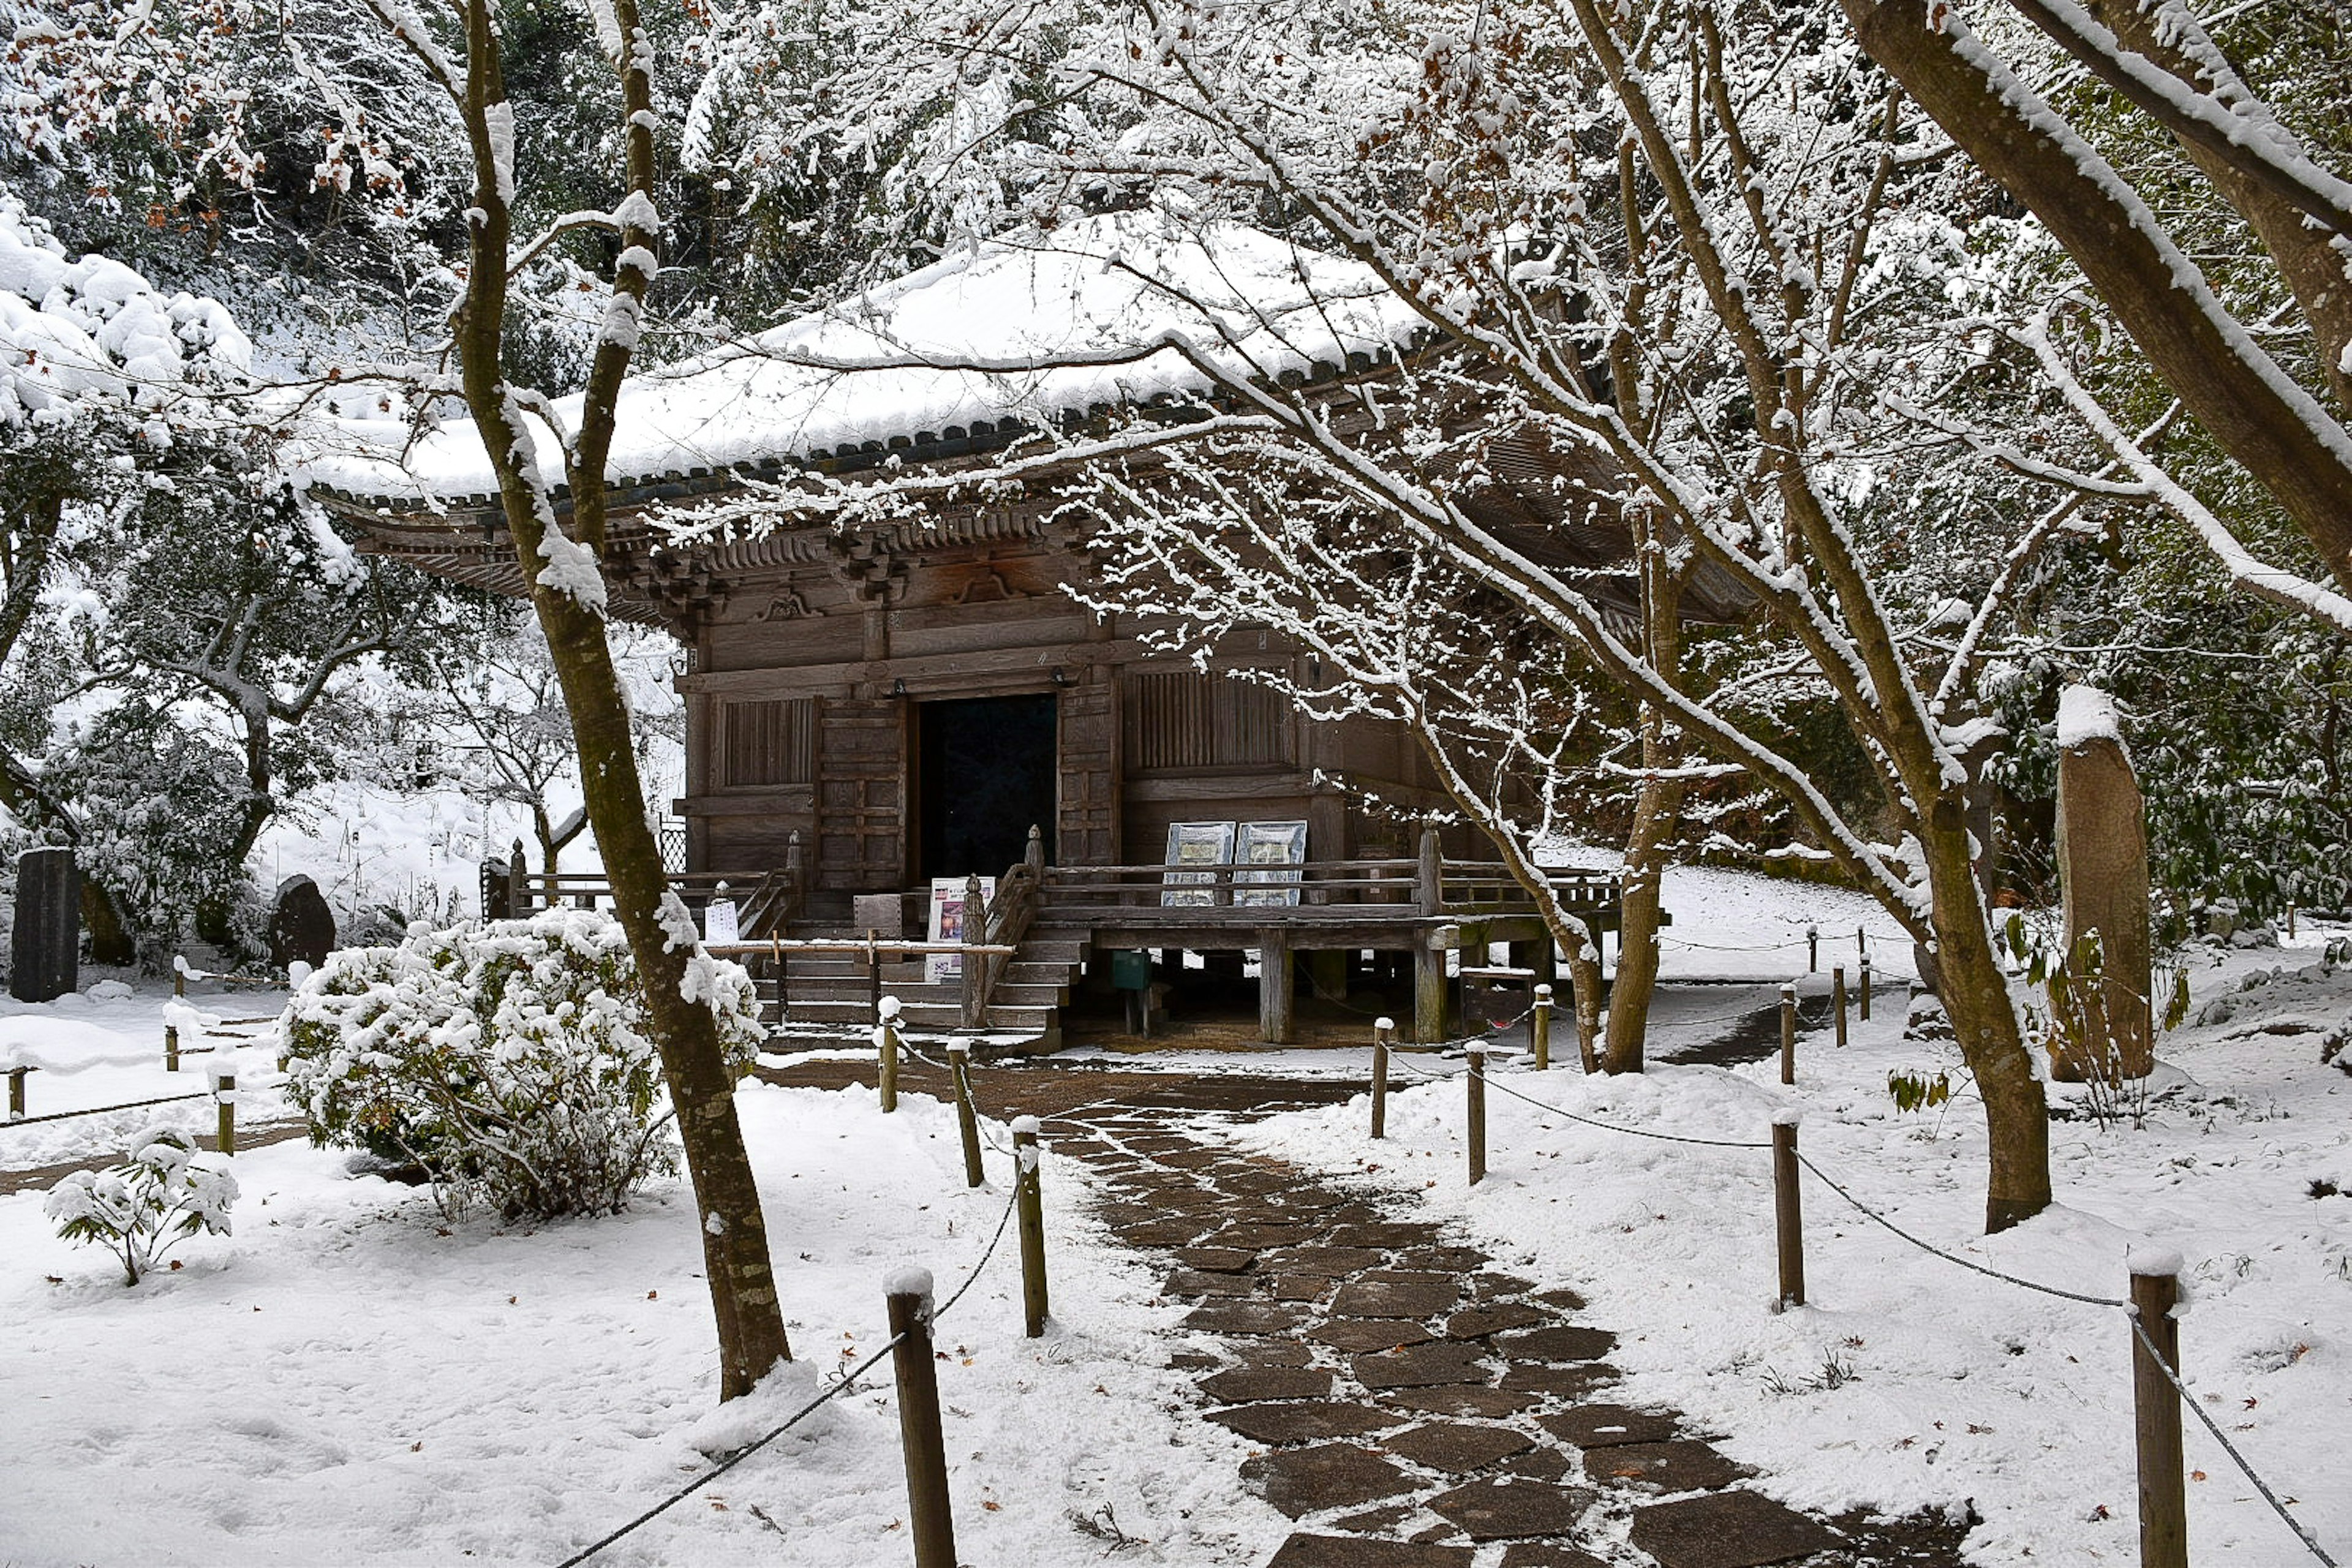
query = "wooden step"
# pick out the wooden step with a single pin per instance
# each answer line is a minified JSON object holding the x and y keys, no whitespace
{"x":926,"y":1016}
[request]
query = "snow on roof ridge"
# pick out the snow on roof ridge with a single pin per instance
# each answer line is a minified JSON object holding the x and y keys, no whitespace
{"x":1029,"y":329}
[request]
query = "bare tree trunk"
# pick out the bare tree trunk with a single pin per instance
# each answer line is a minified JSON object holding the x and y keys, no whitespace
{"x":1657,"y":810}
{"x":1975,"y":993}
{"x":734,"y":1234}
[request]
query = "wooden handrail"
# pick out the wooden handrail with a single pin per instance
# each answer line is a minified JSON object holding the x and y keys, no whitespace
{"x":1004,"y":926}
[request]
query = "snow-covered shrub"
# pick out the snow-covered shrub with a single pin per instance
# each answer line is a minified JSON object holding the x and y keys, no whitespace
{"x":510,"y":1061}
{"x":143,"y":1206}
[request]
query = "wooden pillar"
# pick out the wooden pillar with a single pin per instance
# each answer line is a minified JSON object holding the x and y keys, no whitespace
{"x":1326,"y":973}
{"x":2163,"y":1505}
{"x":1428,"y":991}
{"x":1277,"y":988}
{"x":1429,"y":874}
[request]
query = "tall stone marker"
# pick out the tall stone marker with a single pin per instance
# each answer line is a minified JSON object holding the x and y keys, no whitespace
{"x":45,"y":950}
{"x":2103,"y":880}
{"x":302,"y":926}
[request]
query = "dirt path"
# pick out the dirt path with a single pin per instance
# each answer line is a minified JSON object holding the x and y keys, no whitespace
{"x":1414,"y":1407}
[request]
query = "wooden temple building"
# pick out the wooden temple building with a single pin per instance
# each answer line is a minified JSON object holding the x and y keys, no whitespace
{"x":870,"y":708}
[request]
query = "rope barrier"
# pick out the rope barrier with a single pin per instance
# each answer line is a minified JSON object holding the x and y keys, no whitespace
{"x":848,"y":1381}
{"x":2131,"y":1314}
{"x":1989,"y":1273}
{"x":2155,"y":1357}
{"x":103,"y":1110}
{"x":1501,"y":1087}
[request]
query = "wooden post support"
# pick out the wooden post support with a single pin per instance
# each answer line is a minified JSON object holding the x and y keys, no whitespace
{"x":17,"y":1093}
{"x":971,"y":970}
{"x":1383,"y":1028}
{"x":1789,"y":1221}
{"x":172,"y":1029}
{"x":1539,"y":1029}
{"x":1429,"y":874}
{"x":1837,"y":1000}
{"x":919,"y":1437}
{"x":886,"y":1045}
{"x":2163,"y":1503}
{"x":1812,"y":950}
{"x":1860,"y":942}
{"x":1030,"y":1197}
{"x":1477,"y":1108}
{"x":2290,"y":922}
{"x":1277,"y":991}
{"x":967,"y":1119}
{"x":224,"y":1091}
{"x":1428,"y":992}
{"x":1789,"y":1032}
{"x":1865,"y":988}
{"x":874,"y":974}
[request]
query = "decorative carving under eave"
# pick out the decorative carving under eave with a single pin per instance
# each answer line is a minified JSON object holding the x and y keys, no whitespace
{"x":788,"y":605}
{"x":986,"y":586}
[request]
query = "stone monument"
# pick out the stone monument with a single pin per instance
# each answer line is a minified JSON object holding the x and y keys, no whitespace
{"x":45,"y":949}
{"x":2102,"y":881}
{"x":302,"y":926}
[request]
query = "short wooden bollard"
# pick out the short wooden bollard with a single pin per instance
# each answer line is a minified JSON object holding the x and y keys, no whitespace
{"x":1381,"y":1029}
{"x":171,"y":1028}
{"x":17,"y":1093}
{"x":1789,"y":1032}
{"x":2290,"y":922}
{"x":925,"y":1447}
{"x":1477,"y":1110}
{"x":1029,"y":1198}
{"x":886,"y":1046}
{"x":2163,"y":1501}
{"x":1865,"y":1008}
{"x":1837,"y":1000}
{"x":1860,"y":942}
{"x":1789,"y":1219}
{"x":225,"y":1092}
{"x":1812,"y":950}
{"x":967,"y":1119}
{"x":1539,"y":1029}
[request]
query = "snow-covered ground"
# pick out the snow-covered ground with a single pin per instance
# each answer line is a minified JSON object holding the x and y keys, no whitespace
{"x":351,"y":1377}
{"x":104,"y":1046}
{"x":1906,"y":1382}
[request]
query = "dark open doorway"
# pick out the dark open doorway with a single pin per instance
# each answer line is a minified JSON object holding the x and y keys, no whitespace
{"x":987,"y":775}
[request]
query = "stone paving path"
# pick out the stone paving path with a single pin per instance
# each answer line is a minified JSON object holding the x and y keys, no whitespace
{"x":1414,"y":1406}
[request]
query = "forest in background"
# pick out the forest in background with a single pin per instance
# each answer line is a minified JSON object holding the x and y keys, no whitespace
{"x":190,"y":645}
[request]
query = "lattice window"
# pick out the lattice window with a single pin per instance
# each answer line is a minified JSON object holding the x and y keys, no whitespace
{"x":1181,"y":719}
{"x":770,"y":742}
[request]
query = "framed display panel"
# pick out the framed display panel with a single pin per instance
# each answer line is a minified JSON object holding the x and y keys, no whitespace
{"x":1195,"y":844}
{"x":1269,"y":852}
{"x":948,"y":916}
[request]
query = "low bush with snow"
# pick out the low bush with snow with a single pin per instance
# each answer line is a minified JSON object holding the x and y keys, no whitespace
{"x":139,"y":1208}
{"x":510,"y":1061}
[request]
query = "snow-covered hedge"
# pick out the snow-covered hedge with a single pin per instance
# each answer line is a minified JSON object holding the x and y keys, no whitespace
{"x":510,"y":1061}
{"x":139,"y":1208}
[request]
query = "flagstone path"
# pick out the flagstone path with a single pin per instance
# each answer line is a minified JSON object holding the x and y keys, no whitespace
{"x":1414,"y":1406}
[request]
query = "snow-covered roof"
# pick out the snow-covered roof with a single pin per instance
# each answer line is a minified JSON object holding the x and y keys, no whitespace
{"x":1026,"y":332}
